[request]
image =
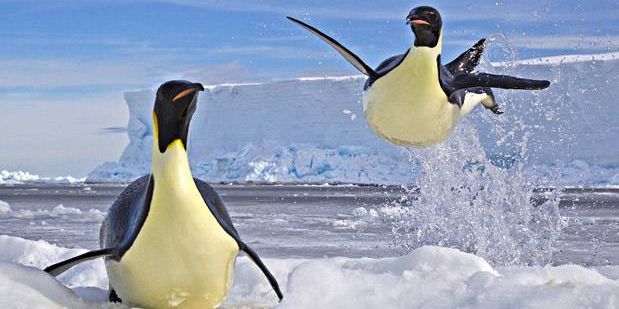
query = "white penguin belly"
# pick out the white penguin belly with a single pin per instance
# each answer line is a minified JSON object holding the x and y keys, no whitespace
{"x":407,"y":106}
{"x":181,"y":258}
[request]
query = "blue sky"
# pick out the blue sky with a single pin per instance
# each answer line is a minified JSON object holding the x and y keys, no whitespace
{"x":70,"y":58}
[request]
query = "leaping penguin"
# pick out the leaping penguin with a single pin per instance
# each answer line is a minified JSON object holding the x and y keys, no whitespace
{"x":168,"y":240}
{"x":412,"y":99}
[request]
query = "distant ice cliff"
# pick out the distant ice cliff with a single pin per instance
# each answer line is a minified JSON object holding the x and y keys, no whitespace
{"x":314,"y":130}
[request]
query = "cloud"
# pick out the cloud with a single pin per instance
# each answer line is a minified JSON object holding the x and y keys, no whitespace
{"x":233,"y":72}
{"x":113,"y":130}
{"x":60,"y":135}
{"x":41,"y":73}
{"x":474,"y":10}
{"x":354,"y":10}
{"x":273,"y":51}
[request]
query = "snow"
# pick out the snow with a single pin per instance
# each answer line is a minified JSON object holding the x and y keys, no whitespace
{"x":428,"y":277}
{"x":4,"y":207}
{"x":19,"y":177}
{"x":58,"y":211}
{"x":24,"y":287}
{"x":312,"y":130}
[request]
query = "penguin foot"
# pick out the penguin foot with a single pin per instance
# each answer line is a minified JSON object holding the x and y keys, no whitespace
{"x":113,"y":297}
{"x":496,"y":109}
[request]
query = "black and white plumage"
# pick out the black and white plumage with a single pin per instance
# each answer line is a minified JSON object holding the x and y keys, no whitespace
{"x":413,"y":99}
{"x":168,"y":240}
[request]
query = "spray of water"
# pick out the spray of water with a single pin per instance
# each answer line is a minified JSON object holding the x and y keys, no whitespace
{"x":466,"y":200}
{"x":462,"y":200}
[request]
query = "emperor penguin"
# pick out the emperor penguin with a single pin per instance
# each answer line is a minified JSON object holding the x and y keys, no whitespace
{"x":168,"y":240}
{"x":413,"y":99}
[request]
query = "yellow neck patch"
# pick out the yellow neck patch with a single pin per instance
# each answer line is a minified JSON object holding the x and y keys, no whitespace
{"x":182,"y":257}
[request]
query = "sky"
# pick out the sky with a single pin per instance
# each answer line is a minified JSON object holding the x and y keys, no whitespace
{"x":65,"y":64}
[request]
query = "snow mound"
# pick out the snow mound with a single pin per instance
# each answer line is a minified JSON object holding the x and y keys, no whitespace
{"x":4,"y":207}
{"x":28,"y":287}
{"x":41,"y":254}
{"x":428,"y":277}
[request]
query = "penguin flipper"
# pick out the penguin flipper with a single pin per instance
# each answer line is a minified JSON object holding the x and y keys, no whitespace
{"x":216,"y":205}
{"x":65,"y":265}
{"x":254,"y":257}
{"x":468,"y":60}
{"x":463,"y":81}
{"x":347,"y":54}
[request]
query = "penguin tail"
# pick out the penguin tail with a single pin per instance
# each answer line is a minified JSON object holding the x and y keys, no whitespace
{"x":345,"y":52}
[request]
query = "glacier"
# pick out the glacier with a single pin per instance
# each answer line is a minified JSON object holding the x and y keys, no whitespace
{"x":312,"y":130}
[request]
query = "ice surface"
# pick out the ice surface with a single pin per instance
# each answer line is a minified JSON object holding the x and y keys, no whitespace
{"x":563,"y":59}
{"x":18,"y":177}
{"x":313,"y":130}
{"x":4,"y":207}
{"x":58,"y":211}
{"x":428,"y":277}
{"x":28,"y":287}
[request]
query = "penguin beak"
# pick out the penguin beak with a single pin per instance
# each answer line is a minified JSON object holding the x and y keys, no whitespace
{"x":192,"y":90}
{"x":173,"y":116}
{"x":420,"y":22}
{"x":416,"y":22}
{"x":183,"y":94}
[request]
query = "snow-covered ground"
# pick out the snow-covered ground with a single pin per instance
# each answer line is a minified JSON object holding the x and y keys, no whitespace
{"x":474,"y":192}
{"x":313,"y":130}
{"x":428,"y":277}
{"x":295,"y":227}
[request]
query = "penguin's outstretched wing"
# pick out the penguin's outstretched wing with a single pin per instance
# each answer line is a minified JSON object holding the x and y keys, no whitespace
{"x":216,"y":205}
{"x":347,"y":54}
{"x":463,"y":81}
{"x":117,"y":231}
{"x":65,"y":265}
{"x":467,"y":61}
{"x":457,"y":81}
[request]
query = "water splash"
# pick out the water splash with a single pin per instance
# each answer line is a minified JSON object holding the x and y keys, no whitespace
{"x":462,"y":200}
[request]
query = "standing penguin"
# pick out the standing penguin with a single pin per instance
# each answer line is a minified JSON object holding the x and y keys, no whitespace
{"x":413,"y":99}
{"x":168,"y":240}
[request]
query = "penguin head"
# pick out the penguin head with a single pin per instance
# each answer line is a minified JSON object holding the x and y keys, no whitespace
{"x":174,"y":105}
{"x":426,"y":23}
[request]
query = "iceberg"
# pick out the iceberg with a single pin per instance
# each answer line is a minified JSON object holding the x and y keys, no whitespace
{"x":313,"y":130}
{"x":20,"y":177}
